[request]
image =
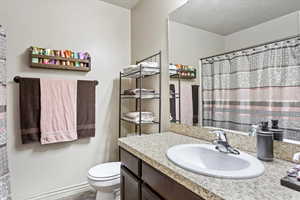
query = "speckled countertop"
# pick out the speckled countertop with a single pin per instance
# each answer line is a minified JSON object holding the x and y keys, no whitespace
{"x":152,"y":148}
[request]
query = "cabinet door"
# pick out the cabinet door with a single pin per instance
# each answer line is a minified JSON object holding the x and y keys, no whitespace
{"x":130,"y":186}
{"x":166,"y":187}
{"x":132,"y":163}
{"x":147,"y":194}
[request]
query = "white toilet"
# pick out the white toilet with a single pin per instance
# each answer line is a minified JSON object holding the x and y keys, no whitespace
{"x":105,"y":179}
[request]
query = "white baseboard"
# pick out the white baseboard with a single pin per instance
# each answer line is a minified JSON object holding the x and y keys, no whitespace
{"x":62,"y":192}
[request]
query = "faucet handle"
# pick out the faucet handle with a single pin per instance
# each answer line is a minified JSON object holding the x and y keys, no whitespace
{"x":220,"y":133}
{"x":296,"y":157}
{"x":217,"y":131}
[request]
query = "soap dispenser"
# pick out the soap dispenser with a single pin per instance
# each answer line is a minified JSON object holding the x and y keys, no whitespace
{"x":264,"y":143}
{"x":278,"y":133}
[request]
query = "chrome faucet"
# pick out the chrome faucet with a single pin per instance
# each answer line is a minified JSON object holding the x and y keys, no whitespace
{"x":222,"y":144}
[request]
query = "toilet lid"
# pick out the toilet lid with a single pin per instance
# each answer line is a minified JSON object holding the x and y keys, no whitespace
{"x":106,"y":170}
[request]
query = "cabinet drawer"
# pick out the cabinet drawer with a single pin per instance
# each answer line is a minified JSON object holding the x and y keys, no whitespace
{"x":131,"y":162}
{"x":148,"y":194}
{"x":165,"y":186}
{"x":130,"y":186}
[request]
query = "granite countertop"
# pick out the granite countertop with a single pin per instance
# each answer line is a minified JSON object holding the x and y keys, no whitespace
{"x":152,"y":148}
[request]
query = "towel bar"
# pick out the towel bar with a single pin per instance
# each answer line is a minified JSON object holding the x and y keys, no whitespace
{"x":17,"y":80}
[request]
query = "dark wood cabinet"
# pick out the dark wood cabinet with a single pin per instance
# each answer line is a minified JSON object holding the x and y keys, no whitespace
{"x":130,"y":185}
{"x":165,"y":186}
{"x":140,"y":181}
{"x":148,"y":194}
{"x":132,"y":163}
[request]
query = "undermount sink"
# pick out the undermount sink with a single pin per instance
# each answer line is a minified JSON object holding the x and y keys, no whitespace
{"x":206,"y":160}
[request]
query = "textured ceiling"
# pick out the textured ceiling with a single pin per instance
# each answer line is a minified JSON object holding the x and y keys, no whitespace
{"x":123,"y":3}
{"x":228,"y":16}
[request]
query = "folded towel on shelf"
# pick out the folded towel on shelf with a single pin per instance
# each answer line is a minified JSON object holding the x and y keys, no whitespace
{"x":172,"y":69}
{"x":86,"y":96}
{"x":58,"y":110}
{"x":137,"y":120}
{"x":135,"y":116}
{"x":143,"y":96}
{"x":138,"y":91}
{"x":30,"y":110}
{"x":149,"y":64}
{"x":129,"y":69}
{"x":146,"y":68}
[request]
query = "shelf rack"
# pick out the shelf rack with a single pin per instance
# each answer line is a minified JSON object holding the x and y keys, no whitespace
{"x":139,"y":75}
{"x":59,"y":67}
{"x":176,"y":96}
{"x":179,"y":71}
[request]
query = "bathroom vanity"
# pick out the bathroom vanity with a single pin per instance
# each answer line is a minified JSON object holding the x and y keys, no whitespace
{"x":147,"y":174}
{"x":141,"y":181}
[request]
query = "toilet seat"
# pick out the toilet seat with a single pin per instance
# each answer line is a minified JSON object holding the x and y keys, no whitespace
{"x":105,"y":172}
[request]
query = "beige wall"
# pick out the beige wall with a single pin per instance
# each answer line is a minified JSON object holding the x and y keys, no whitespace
{"x":188,"y":44}
{"x":275,"y":29}
{"x":149,"y":27}
{"x":91,"y":25}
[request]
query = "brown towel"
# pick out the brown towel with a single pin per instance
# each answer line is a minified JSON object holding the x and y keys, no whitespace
{"x":30,"y":110}
{"x":86,"y":94}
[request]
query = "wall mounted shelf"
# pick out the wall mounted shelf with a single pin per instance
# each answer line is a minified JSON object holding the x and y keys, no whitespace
{"x":176,"y":76}
{"x":86,"y":62}
{"x":59,"y":67}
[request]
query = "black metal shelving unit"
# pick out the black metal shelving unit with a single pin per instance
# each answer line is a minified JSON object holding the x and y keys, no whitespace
{"x":139,"y":77}
{"x":176,"y":95}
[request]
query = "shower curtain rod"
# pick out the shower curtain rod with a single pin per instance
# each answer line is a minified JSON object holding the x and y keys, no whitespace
{"x":251,"y":47}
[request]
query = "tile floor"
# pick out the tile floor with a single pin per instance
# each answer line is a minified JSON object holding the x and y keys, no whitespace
{"x":89,"y":195}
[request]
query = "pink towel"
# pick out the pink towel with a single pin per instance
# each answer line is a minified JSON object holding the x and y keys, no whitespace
{"x":58,"y":111}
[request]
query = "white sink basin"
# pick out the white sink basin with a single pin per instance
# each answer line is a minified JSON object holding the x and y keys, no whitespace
{"x":206,"y":160}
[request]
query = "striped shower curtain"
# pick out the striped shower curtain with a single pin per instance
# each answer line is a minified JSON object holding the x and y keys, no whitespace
{"x":254,"y":85}
{"x":4,"y":176}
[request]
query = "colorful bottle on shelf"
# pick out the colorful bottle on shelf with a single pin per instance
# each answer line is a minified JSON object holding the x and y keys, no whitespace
{"x":57,"y":53}
{"x":76,"y":56}
{"x":35,"y":50}
{"x":35,"y":60}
